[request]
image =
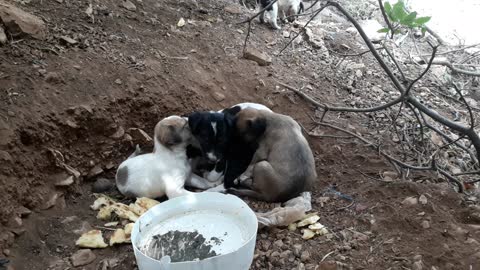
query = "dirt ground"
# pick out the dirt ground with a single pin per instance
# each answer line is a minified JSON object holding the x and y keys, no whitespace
{"x":128,"y":69}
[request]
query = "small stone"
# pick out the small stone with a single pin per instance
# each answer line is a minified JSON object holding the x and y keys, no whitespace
{"x":410,"y":201}
{"x":23,"y":211}
{"x":20,"y":23}
{"x":181,"y":22}
{"x":278,"y":243}
{"x":6,"y":252}
{"x":305,"y":256}
{"x":218,"y":96}
{"x":3,"y":36}
{"x":50,"y":202}
{"x":129,"y":5}
{"x":82,"y":257}
{"x":71,"y":124}
{"x":68,"y":40}
{"x":418,"y":265}
{"x":96,"y":170}
{"x":102,"y":185}
{"x":358,"y":73}
{"x":285,"y":254}
{"x":118,"y":81}
{"x":286,"y":34}
{"x":66,"y":182}
{"x":11,"y":114}
{"x":297,"y":249}
{"x":425,"y":224}
{"x":261,"y":58}
{"x":118,"y":134}
{"x":53,"y":78}
{"x":417,"y":258}
{"x":423,"y":199}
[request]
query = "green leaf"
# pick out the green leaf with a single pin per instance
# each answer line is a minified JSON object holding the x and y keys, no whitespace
{"x":398,"y":12}
{"x":422,"y":20}
{"x":424,"y":29}
{"x":409,"y":19}
{"x":383,"y":30}
{"x":387,"y":7}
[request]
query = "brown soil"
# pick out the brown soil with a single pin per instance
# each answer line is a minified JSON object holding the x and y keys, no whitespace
{"x":130,"y":69}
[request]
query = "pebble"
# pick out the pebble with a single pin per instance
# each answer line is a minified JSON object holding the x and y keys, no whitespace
{"x":218,"y":96}
{"x":423,"y":199}
{"x":102,"y":185}
{"x":278,"y":243}
{"x":297,"y":249}
{"x":82,"y":257}
{"x":261,"y":58}
{"x":410,"y":201}
{"x":96,"y":170}
{"x":425,"y":224}
{"x":129,"y":5}
{"x":305,"y":256}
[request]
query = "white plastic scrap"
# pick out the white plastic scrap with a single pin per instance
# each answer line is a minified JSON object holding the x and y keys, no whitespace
{"x":309,"y":220}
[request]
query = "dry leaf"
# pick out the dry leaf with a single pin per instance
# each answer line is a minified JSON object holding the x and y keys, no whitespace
{"x":146,"y":203}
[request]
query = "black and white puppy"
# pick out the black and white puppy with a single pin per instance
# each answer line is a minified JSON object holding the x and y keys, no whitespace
{"x":219,"y":155}
{"x":287,"y":9}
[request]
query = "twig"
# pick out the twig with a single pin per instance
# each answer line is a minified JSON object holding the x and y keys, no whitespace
{"x":455,"y":69}
{"x":472,"y":118}
{"x":424,"y":72}
{"x":326,"y":255}
{"x":394,"y":60}
{"x":466,"y":173}
{"x":342,"y":109}
{"x":456,"y":50}
{"x":385,"y":18}
{"x":435,"y":35}
{"x":353,"y":54}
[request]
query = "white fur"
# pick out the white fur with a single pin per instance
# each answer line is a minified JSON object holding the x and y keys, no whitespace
{"x":214,"y":127}
{"x":157,"y":174}
{"x":244,"y":105}
{"x":214,"y":176}
{"x":163,"y":172}
{"x":281,"y":6}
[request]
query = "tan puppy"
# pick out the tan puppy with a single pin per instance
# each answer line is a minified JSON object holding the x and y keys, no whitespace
{"x":283,"y":165}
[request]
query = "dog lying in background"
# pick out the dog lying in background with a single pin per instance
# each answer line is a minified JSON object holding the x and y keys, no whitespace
{"x":166,"y":170}
{"x":225,"y":156}
{"x":283,"y":165}
{"x":287,"y":9}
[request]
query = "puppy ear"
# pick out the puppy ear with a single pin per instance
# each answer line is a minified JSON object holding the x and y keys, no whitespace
{"x":194,"y":121}
{"x":232,"y":111}
{"x":230,"y":120}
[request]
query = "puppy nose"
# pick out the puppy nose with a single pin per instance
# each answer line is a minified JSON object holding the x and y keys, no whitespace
{"x":212,"y":157}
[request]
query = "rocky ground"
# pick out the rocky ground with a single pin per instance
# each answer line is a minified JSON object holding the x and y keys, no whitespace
{"x":85,"y":81}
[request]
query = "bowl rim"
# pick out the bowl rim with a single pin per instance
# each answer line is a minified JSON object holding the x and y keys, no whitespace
{"x":248,"y":209}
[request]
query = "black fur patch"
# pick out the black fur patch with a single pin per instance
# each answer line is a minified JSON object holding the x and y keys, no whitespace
{"x":264,"y":3}
{"x":122,"y":176}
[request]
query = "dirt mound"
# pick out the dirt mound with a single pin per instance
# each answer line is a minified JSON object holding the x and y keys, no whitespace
{"x":75,"y":102}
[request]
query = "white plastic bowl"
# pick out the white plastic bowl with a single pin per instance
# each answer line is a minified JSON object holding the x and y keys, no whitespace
{"x":213,"y":215}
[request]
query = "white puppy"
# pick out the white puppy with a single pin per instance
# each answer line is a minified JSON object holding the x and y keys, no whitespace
{"x":166,"y":170}
{"x":287,"y":9}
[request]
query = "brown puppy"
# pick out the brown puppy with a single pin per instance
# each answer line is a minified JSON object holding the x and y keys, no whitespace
{"x":283,"y":165}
